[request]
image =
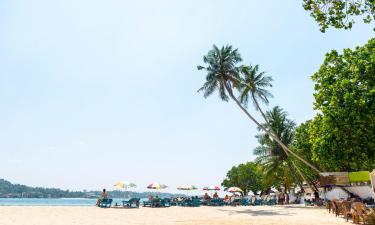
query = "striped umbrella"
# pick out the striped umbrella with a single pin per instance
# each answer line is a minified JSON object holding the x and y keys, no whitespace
{"x":234,"y":189}
{"x":212,"y":188}
{"x":124,"y":185}
{"x":187,"y":188}
{"x":156,"y":186}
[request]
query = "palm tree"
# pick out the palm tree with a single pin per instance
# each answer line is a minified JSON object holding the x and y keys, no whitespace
{"x":274,"y":159}
{"x":254,"y":87}
{"x":223,"y":74}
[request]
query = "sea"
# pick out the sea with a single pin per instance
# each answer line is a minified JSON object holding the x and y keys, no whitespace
{"x":52,"y":201}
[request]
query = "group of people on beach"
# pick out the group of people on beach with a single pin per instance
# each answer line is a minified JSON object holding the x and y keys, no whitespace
{"x":282,"y":198}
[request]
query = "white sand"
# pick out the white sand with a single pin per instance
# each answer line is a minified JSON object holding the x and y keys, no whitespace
{"x":60,"y":215}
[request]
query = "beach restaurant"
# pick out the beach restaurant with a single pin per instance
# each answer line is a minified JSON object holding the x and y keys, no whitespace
{"x":340,"y":185}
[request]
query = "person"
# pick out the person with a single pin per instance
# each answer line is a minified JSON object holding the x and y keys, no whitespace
{"x":206,"y":196}
{"x":281,"y":198}
{"x":215,"y":195}
{"x":150,"y":197}
{"x":286,"y":199}
{"x":102,"y":196}
{"x":156,"y":201}
{"x":316,"y":197}
{"x":226,"y":198}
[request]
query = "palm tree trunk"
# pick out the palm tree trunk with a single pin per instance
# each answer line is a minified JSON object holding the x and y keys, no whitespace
{"x":260,"y":110}
{"x":264,"y":129}
{"x":284,"y":147}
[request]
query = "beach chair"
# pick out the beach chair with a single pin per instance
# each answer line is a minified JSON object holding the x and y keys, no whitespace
{"x":174,"y":202}
{"x":329,"y":206}
{"x":147,"y":203}
{"x":105,"y":203}
{"x":131,"y":203}
{"x":156,"y":203}
{"x":216,"y":202}
{"x":271,"y":201}
{"x":165,"y":202}
{"x":195,"y":202}
{"x":361,"y":213}
{"x":255,"y":201}
{"x":236,"y":202}
{"x":245,"y":202}
{"x":346,"y":209}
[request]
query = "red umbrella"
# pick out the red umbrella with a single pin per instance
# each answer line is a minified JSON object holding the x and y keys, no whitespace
{"x":212,"y":188}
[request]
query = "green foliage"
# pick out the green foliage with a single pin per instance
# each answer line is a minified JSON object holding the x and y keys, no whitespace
{"x":245,"y":176}
{"x":278,"y":168}
{"x":339,"y":13}
{"x":222,"y":71}
{"x":342,"y":136}
{"x":254,"y":86}
{"x":17,"y":190}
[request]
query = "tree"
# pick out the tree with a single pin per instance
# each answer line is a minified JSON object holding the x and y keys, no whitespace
{"x":278,"y":168}
{"x":254,"y":87}
{"x":339,"y":13}
{"x":224,"y":75}
{"x":245,"y":176}
{"x":342,"y":135}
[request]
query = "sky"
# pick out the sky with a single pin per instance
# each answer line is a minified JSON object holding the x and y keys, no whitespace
{"x":92,"y":92}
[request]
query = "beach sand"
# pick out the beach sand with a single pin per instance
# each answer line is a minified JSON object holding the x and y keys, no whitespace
{"x":77,"y":215}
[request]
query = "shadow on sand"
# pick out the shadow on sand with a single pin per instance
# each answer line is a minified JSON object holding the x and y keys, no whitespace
{"x":261,"y":212}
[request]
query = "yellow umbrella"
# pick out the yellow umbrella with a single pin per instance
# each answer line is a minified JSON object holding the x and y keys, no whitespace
{"x":124,"y":185}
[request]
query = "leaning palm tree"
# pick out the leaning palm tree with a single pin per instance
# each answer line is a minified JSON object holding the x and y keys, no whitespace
{"x":224,"y":76}
{"x":254,"y":87}
{"x":275,"y":161}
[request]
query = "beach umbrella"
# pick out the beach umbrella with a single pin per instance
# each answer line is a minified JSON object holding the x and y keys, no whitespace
{"x":187,"y":188}
{"x":234,"y":189}
{"x":211,"y":188}
{"x":124,"y":185}
{"x":156,"y":186}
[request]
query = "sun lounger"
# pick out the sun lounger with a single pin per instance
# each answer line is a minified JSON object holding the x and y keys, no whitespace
{"x":271,"y":201}
{"x":195,"y":202}
{"x":255,"y":201}
{"x":131,"y":203}
{"x":216,"y":202}
{"x":105,"y":203}
{"x":236,"y":202}
{"x":245,"y":202}
{"x":166,"y":202}
{"x":147,"y":203}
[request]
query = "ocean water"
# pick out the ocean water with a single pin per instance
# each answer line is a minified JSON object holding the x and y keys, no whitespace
{"x":50,"y":201}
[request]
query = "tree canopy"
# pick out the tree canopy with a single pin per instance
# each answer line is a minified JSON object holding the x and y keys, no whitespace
{"x":342,"y":136}
{"x":339,"y":13}
{"x":245,"y":176}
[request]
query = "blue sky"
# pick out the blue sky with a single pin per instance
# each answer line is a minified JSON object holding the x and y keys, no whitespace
{"x":92,"y":92}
